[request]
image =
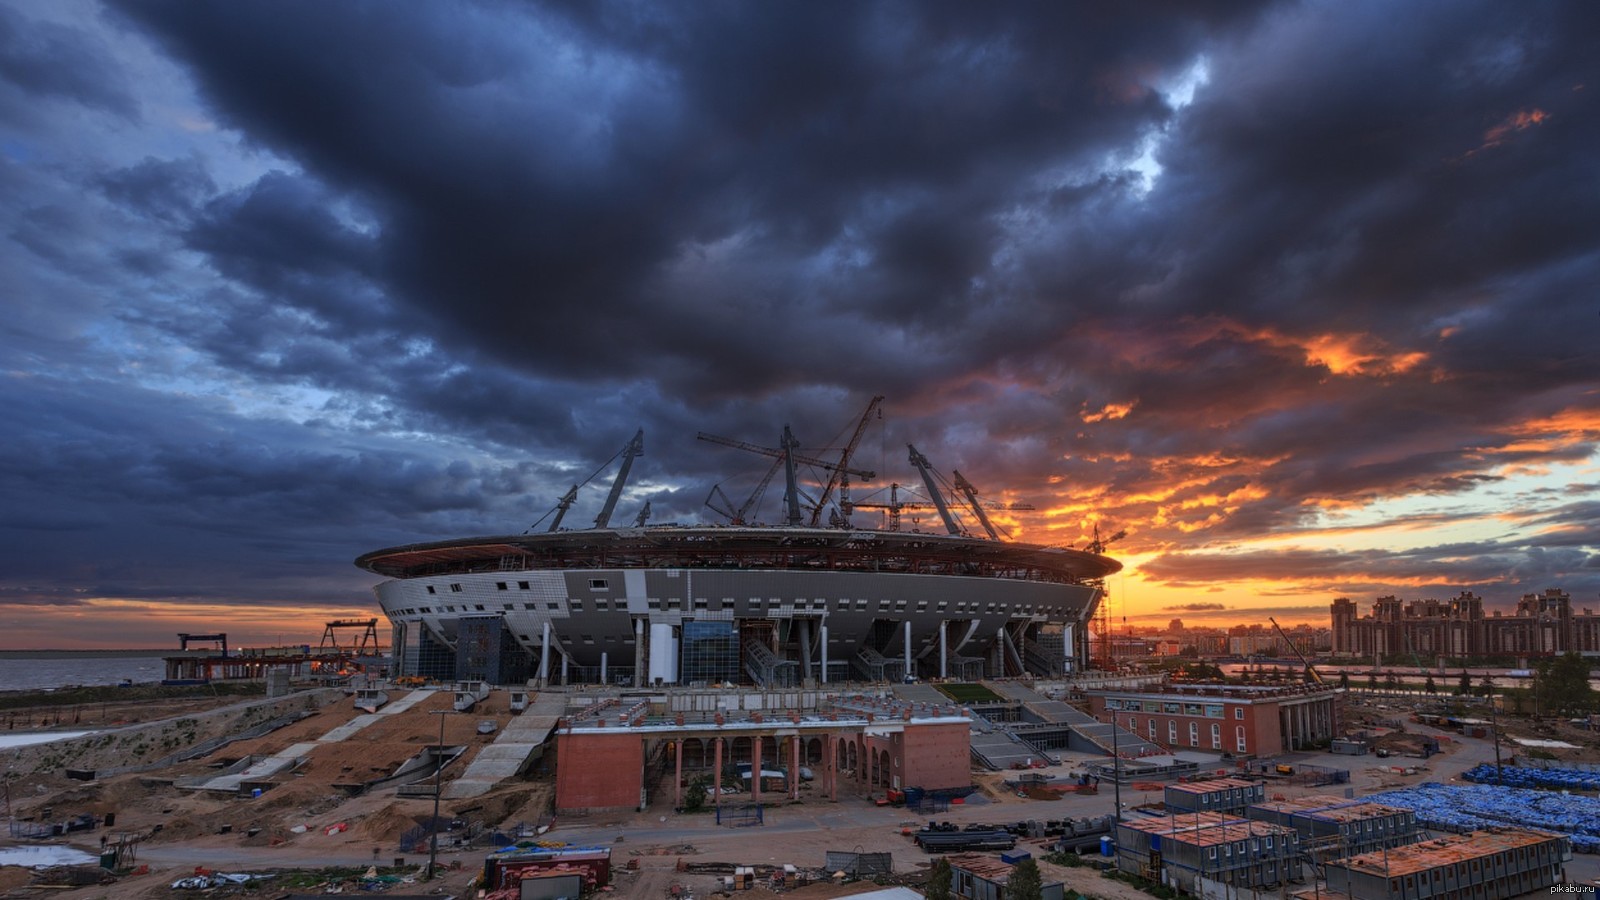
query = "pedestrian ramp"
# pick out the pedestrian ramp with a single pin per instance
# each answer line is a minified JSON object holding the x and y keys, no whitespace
{"x":1000,"y":750}
{"x":922,"y":693}
{"x":1046,"y":710}
{"x":517,"y":745}
{"x":293,"y":756}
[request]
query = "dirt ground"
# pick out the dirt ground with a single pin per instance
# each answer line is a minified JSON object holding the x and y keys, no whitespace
{"x":288,"y":827}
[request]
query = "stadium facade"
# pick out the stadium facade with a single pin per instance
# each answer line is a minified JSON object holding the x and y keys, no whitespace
{"x":772,"y":606}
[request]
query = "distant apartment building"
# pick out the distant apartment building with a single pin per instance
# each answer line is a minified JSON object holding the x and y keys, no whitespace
{"x":1244,"y":720}
{"x":1541,"y":625}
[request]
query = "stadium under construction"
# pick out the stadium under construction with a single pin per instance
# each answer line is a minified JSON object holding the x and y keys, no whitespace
{"x":814,"y":600}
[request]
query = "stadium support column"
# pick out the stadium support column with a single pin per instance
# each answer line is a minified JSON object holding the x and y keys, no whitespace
{"x":824,"y":637}
{"x":805,"y":653}
{"x":944,"y":648}
{"x":755,"y":768}
{"x":716,"y":779}
{"x":544,"y":656}
{"x":603,"y":662}
{"x":640,"y":676}
{"x":677,"y":777}
{"x":908,"y":649}
{"x":564,"y":660}
{"x":794,"y":767}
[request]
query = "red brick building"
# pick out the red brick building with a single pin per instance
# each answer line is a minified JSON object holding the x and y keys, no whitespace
{"x":601,"y":765}
{"x":1236,"y":719}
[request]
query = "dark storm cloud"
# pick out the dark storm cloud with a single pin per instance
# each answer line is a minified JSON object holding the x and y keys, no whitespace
{"x":467,"y":250}
{"x":561,"y":233}
{"x":53,"y":61}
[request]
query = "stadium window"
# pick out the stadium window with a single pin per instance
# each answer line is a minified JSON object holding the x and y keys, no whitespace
{"x":599,"y":584}
{"x":552,"y":605}
{"x":699,"y":603}
{"x":430,"y":589}
{"x":575,"y":605}
{"x":602,"y":604}
{"x":478,"y":607}
{"x":527,"y":606}
{"x":455,"y":588}
{"x":522,"y":585}
{"x":500,"y":586}
{"x":941,"y":606}
{"x":509,"y":605}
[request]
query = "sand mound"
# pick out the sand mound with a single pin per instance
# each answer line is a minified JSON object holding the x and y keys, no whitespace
{"x":388,"y":823}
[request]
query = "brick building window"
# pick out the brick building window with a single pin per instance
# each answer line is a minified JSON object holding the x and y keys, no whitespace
{"x":1194,"y":734}
{"x":1172,"y":731}
{"x":1239,"y":734}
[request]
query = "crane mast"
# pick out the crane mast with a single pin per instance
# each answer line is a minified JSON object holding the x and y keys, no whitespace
{"x":921,"y":463}
{"x":791,"y":494}
{"x":841,"y":476}
{"x":635,"y":448}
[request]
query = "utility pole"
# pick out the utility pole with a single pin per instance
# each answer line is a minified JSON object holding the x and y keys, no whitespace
{"x":1494,"y":732}
{"x":1116,"y":769}
{"x":438,"y":773}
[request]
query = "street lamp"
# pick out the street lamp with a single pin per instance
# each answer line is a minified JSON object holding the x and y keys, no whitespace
{"x":438,"y":774}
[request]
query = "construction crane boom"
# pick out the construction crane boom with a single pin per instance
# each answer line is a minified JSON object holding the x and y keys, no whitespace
{"x":787,"y":454}
{"x":562,"y":505}
{"x":840,"y":477}
{"x":635,"y":448}
{"x":775,"y":452}
{"x":921,"y":463}
{"x":1311,"y":671}
{"x":971,"y":493}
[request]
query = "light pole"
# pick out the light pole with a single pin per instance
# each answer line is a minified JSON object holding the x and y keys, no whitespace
{"x":438,"y":773}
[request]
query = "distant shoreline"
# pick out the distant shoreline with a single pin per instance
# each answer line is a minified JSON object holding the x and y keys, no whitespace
{"x":89,"y":654}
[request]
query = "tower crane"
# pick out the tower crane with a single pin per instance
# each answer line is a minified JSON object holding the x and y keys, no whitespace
{"x":786,"y":453}
{"x":740,"y":515}
{"x":841,"y":475}
{"x":1312,"y":675}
